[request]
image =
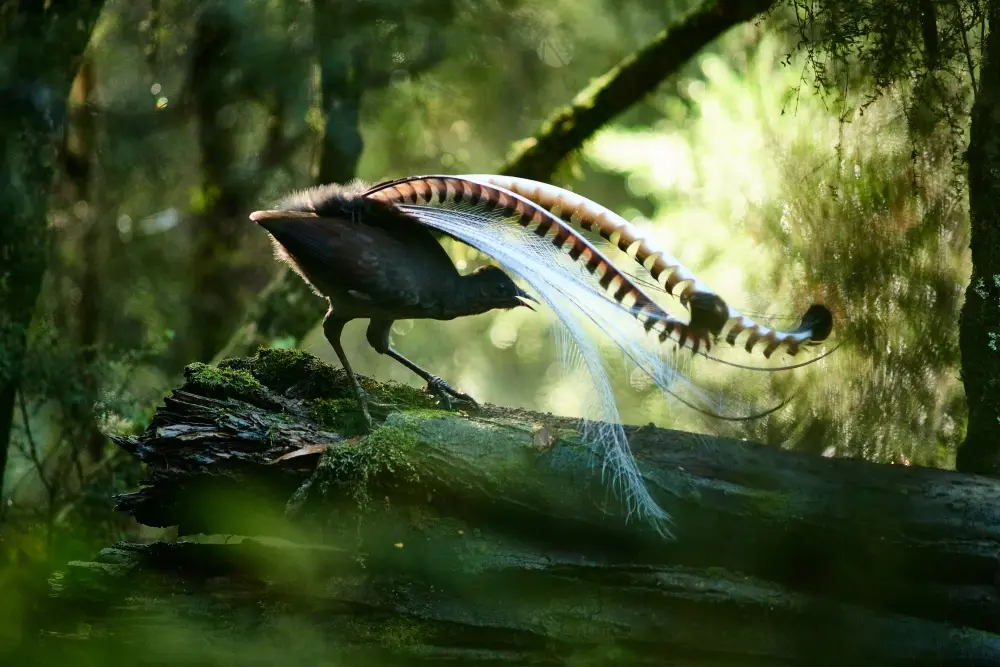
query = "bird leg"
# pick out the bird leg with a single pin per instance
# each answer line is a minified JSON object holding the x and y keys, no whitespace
{"x":333,"y":327}
{"x":378,"y":338}
{"x":439,"y":387}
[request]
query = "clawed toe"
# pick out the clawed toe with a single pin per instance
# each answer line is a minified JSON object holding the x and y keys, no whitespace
{"x":366,"y":404}
{"x":445,"y":392}
{"x":369,"y":424}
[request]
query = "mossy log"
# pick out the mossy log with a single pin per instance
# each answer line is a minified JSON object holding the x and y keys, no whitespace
{"x":488,"y":537}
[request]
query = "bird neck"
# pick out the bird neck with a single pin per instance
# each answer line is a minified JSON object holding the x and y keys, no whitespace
{"x":465,"y":297}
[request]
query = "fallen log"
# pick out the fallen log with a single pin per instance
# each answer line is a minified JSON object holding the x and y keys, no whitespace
{"x":488,"y":537}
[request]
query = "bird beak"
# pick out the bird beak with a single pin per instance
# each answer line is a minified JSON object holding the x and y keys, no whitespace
{"x":271,"y":219}
{"x":526,"y":299}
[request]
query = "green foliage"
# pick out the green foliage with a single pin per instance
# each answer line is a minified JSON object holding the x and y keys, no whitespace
{"x":896,"y":263}
{"x":774,"y":211}
{"x":865,"y":48}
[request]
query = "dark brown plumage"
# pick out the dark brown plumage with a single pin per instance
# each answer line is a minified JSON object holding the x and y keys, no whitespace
{"x":370,"y":260}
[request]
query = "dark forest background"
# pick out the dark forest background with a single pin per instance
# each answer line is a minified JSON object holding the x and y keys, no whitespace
{"x":803,"y":153}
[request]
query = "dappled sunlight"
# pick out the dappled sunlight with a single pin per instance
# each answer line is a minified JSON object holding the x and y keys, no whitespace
{"x":649,"y":159}
{"x":732,"y":174}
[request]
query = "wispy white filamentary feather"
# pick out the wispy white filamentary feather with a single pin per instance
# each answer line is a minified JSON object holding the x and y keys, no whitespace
{"x":570,"y":300}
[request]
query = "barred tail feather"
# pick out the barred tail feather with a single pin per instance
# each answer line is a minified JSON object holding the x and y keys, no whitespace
{"x":583,"y":213}
{"x":668,"y":272}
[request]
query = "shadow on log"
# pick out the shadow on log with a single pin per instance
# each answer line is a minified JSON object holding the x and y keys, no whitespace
{"x":488,"y":537}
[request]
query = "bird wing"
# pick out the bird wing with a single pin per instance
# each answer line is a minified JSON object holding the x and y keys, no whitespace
{"x":345,"y":257}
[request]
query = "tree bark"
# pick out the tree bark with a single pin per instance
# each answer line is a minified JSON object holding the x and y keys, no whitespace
{"x":979,"y":329}
{"x":41,"y":45}
{"x":489,"y":537}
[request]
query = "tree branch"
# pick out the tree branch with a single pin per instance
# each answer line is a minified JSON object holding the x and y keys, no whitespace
{"x":624,"y":85}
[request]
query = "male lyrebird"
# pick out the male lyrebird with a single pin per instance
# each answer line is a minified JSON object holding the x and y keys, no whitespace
{"x":371,"y":253}
{"x":370,"y":261}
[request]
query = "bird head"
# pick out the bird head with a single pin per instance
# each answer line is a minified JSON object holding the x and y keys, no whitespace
{"x":492,"y":288}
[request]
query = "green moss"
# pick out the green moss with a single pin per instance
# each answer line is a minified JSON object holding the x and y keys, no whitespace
{"x":282,"y":370}
{"x":773,"y":504}
{"x":384,"y":456}
{"x":342,"y":415}
{"x":402,"y":395}
{"x":428,"y":413}
{"x":224,"y":382}
{"x":509,"y":450}
{"x":400,"y":633}
{"x":396,"y":633}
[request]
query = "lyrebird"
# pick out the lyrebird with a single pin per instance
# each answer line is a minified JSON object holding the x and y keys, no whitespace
{"x":370,"y":251}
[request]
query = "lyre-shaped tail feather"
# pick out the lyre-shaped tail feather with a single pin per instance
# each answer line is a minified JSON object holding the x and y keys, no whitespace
{"x":706,"y":305}
{"x":464,"y":195}
{"x":576,"y":282}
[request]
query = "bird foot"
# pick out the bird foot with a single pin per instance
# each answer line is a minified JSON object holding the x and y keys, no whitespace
{"x":366,"y":404}
{"x":445,"y":392}
{"x":363,"y":404}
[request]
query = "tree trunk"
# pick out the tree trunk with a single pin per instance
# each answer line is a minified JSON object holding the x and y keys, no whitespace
{"x":490,"y":538}
{"x":220,"y":223}
{"x":979,"y":331}
{"x":40,"y":48}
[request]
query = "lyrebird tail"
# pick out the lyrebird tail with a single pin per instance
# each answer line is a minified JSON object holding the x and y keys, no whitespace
{"x":664,"y":268}
{"x":579,"y":283}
